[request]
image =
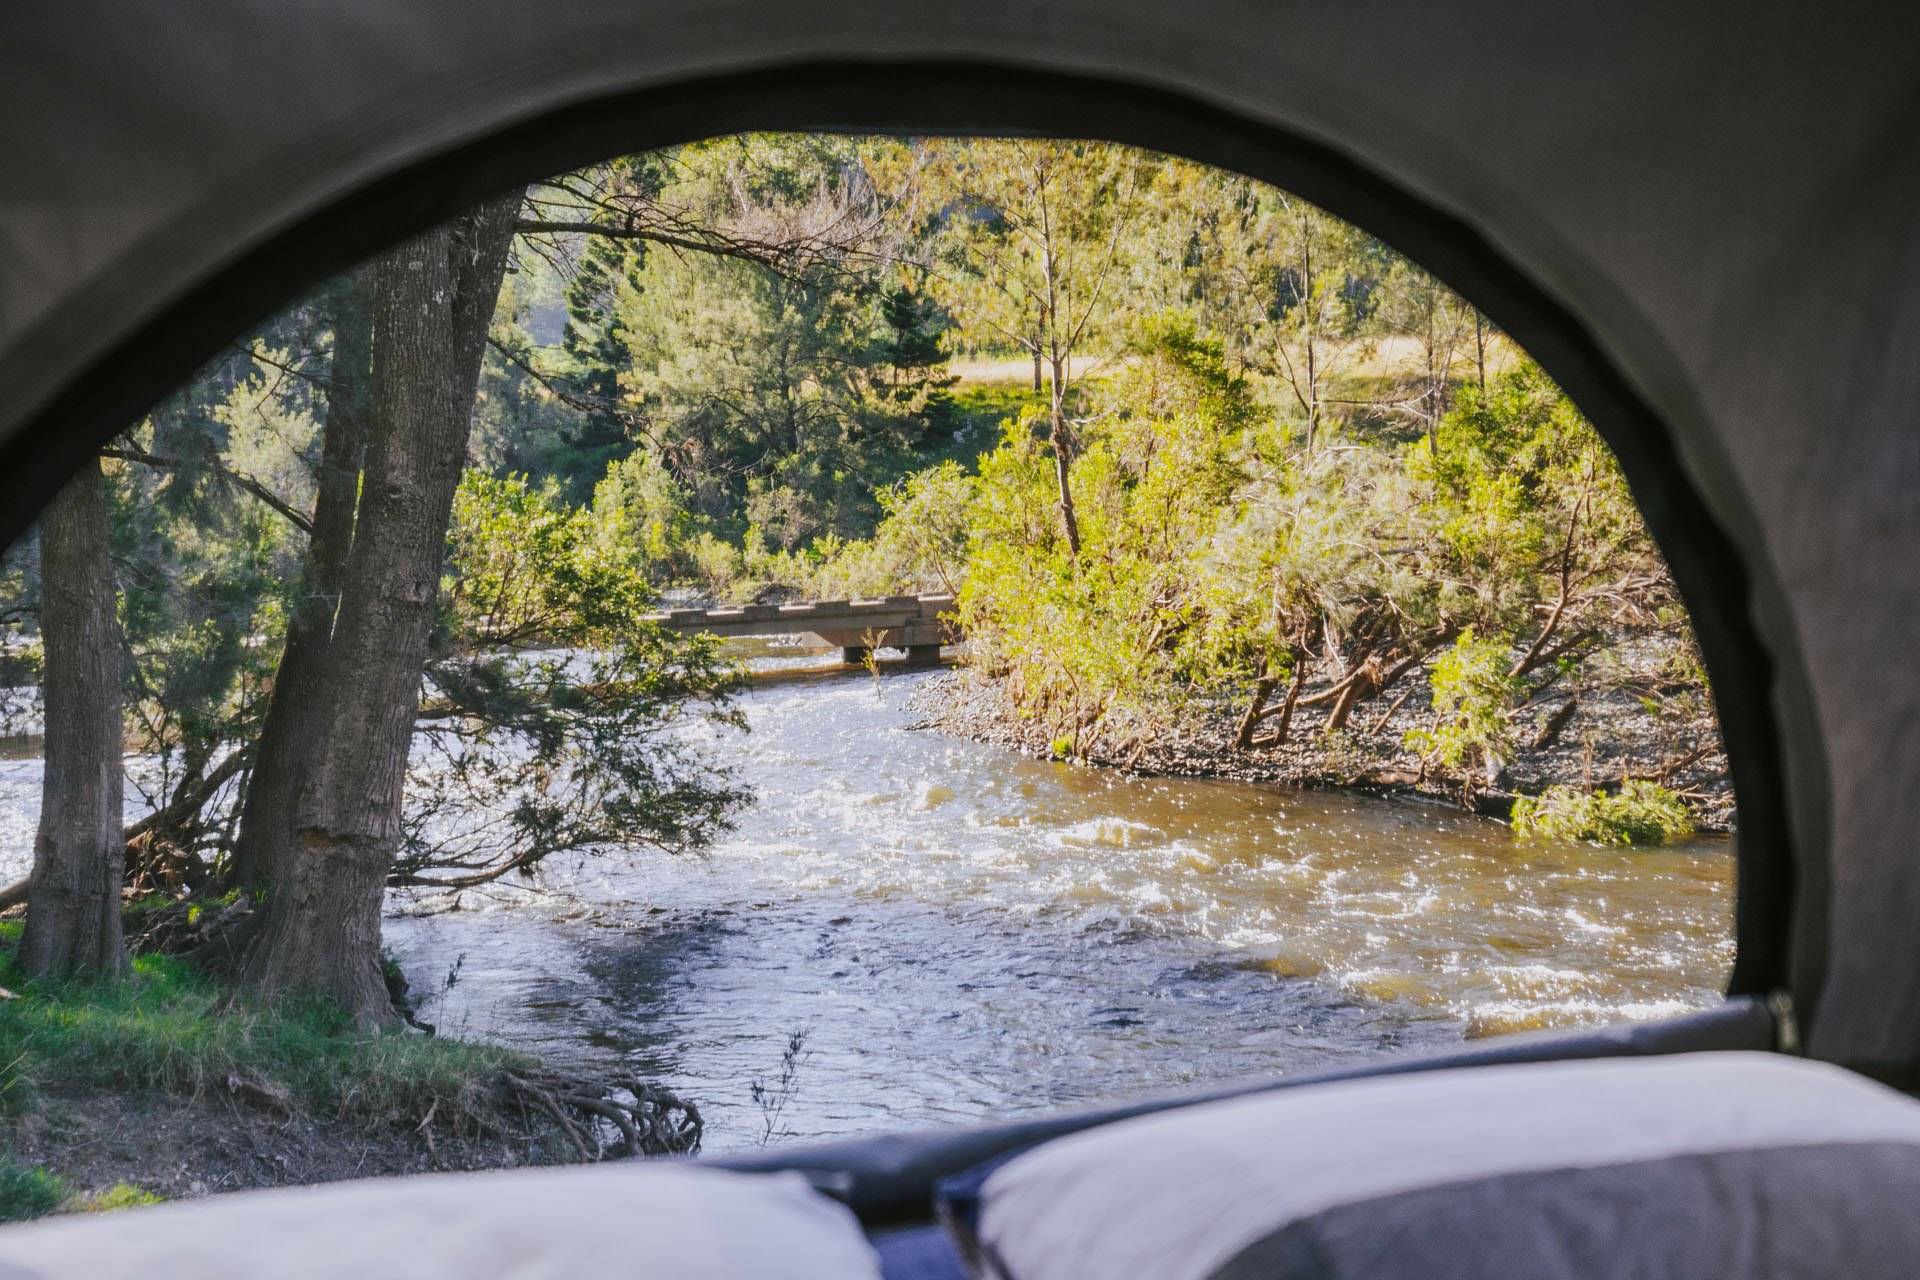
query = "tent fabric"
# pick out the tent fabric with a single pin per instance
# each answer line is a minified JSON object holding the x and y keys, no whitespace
{"x":1701,"y":219}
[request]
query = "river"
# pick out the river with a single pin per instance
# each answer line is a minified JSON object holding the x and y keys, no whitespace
{"x":957,"y":932}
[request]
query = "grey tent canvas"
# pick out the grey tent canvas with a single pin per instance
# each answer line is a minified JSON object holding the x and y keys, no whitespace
{"x":1615,"y":188}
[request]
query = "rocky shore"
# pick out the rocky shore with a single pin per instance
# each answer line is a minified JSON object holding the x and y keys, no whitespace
{"x":1638,"y":724}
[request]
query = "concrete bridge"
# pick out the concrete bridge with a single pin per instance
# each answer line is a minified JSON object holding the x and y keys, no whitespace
{"x":918,"y":624}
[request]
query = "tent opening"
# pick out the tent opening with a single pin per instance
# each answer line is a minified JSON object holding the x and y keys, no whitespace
{"x":434,"y":589}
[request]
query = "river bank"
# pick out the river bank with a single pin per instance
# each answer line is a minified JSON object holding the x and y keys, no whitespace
{"x":1634,"y":725}
{"x":168,"y":1084}
{"x":954,"y":932}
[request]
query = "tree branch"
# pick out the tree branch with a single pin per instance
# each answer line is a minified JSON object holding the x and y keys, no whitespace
{"x":247,"y":482}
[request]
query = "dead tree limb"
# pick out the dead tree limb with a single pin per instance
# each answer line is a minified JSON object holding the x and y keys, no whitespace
{"x":1388,"y":714}
{"x":1556,"y":724}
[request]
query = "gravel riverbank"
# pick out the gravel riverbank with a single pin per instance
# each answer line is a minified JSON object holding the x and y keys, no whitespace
{"x":1622,"y":726}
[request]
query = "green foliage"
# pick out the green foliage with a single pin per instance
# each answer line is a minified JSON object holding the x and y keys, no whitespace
{"x":910,"y":346}
{"x":920,"y":546}
{"x":1639,"y":813}
{"x":205,"y":566}
{"x":983,"y":406}
{"x":780,"y":398}
{"x":19,"y":601}
{"x":1220,"y":549}
{"x":639,"y":506}
{"x":522,"y":752}
{"x":27,"y":1193}
{"x":1472,"y":688}
{"x":1103,"y":648}
{"x":1522,"y":486}
{"x":526,"y":568}
{"x":121,"y":1195}
{"x":594,"y":345}
{"x":1034,"y":244}
{"x":1175,"y":368}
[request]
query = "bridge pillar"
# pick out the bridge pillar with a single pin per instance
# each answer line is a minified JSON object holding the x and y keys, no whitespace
{"x":854,"y":654}
{"x":922,"y":655}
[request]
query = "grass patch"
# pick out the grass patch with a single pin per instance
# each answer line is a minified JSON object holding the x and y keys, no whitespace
{"x":171,"y":1030}
{"x":28,"y":1193}
{"x":989,"y":402}
{"x":132,"y":1076}
{"x":1640,"y":813}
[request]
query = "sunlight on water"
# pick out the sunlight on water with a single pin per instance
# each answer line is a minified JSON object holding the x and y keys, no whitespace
{"x":962,"y":932}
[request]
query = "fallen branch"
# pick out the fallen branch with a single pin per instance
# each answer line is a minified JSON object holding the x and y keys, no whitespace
{"x":1390,"y":712}
{"x":185,"y":803}
{"x":1556,"y":723}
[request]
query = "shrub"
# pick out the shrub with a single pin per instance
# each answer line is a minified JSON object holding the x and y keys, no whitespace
{"x":1106,"y":646}
{"x":1471,"y":690}
{"x":27,"y":1192}
{"x":640,"y":507}
{"x":1639,"y":813}
{"x":553,"y":700}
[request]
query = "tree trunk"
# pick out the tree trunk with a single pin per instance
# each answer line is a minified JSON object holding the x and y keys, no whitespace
{"x":73,"y":907}
{"x":1063,"y":456}
{"x":1256,"y":707}
{"x":1556,"y":725}
{"x":1258,"y":711}
{"x":1281,"y":730}
{"x":1062,"y":464}
{"x":433,"y":299}
{"x":1308,"y":303}
{"x":298,"y":694}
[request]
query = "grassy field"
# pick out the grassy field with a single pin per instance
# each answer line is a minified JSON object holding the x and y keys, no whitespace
{"x":1354,"y":369}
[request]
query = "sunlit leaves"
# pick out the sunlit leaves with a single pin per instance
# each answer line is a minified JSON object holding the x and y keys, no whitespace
{"x":554,"y":716}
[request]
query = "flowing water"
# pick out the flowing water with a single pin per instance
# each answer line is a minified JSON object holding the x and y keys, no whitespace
{"x":953,"y":931}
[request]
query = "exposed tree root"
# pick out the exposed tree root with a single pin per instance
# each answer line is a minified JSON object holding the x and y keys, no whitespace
{"x":622,"y":1118}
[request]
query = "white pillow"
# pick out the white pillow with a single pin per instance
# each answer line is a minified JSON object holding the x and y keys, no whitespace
{"x":1696,"y":1167}
{"x":664,"y":1221}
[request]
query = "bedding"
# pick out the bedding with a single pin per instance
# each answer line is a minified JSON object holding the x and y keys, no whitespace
{"x":1723,"y":1165}
{"x":658,"y":1220}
